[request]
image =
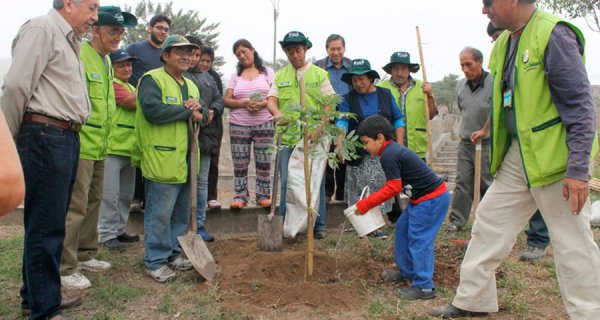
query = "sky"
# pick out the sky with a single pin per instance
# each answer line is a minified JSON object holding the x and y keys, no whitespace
{"x":372,"y":29}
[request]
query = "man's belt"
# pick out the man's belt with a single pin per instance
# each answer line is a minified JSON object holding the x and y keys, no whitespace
{"x":62,"y":124}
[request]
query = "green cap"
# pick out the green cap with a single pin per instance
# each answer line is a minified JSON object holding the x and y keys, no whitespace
{"x":358,"y":67}
{"x":401,"y":57}
{"x":176,"y":41}
{"x":113,"y":16}
{"x":295,"y":37}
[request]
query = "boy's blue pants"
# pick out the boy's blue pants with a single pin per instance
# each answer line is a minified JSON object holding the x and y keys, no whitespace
{"x":416,"y":230}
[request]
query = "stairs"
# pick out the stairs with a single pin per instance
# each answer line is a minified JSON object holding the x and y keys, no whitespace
{"x":444,"y":161}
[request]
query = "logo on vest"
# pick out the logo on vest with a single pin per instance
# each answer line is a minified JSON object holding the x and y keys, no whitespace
{"x":170,"y":99}
{"x":525,"y":56}
{"x":284,"y":83}
{"x":95,"y":76}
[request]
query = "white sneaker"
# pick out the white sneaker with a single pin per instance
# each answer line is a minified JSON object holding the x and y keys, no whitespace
{"x":93,"y":265}
{"x":181,"y":264}
{"x":162,"y":274}
{"x":75,"y":281}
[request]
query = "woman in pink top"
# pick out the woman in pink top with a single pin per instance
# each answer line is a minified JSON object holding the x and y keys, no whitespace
{"x":250,"y":124}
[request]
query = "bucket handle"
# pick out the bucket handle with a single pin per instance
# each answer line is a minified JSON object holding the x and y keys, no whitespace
{"x":367,"y":190}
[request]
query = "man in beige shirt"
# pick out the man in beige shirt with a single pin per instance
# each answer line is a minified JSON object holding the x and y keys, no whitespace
{"x":45,"y":102}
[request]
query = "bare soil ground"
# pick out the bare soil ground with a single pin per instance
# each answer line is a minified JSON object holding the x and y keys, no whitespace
{"x":260,"y":285}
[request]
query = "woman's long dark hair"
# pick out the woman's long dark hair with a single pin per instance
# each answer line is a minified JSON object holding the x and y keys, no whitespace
{"x":258,"y":61}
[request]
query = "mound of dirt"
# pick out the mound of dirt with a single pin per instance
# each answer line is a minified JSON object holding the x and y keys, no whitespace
{"x":263,"y":281}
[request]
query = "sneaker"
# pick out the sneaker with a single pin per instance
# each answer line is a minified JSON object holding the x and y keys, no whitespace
{"x":162,"y":274}
{"x":181,"y":264}
{"x":379,"y":234}
{"x":93,"y":265}
{"x":392,"y":276}
{"x":75,"y":281}
{"x":451,"y":312}
{"x":320,"y":235}
{"x":237,"y":204}
{"x":451,"y":227}
{"x":533,"y":254}
{"x":136,"y":206}
{"x":114,"y":244}
{"x":214,"y":204}
{"x":265,"y":203}
{"x":207,"y":237}
{"x":415,"y":293}
{"x":125,"y":237}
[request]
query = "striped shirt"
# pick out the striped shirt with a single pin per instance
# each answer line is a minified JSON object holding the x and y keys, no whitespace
{"x":244,"y":89}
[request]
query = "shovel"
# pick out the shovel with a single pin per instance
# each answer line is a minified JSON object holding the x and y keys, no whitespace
{"x":270,"y":227}
{"x":192,"y":244}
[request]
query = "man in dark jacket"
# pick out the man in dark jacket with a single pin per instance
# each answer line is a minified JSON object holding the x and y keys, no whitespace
{"x":209,"y":137}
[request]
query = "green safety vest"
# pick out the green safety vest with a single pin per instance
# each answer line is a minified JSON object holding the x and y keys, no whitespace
{"x":163,"y":147}
{"x":540,"y":132}
{"x":121,"y":137}
{"x":288,"y":92}
{"x":99,"y":80}
{"x":415,"y":115}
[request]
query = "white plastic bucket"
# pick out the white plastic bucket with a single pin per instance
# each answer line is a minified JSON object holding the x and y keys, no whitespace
{"x":366,"y":223}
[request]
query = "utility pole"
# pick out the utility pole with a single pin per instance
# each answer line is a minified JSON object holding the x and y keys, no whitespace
{"x":275,"y":4}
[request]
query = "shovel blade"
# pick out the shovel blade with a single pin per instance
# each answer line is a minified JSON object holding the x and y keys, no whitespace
{"x":197,"y":252}
{"x":270,"y":233}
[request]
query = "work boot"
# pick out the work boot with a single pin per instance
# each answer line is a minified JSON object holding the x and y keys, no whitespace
{"x":207,"y":237}
{"x":451,"y":227}
{"x":533,"y":254}
{"x":320,"y":235}
{"x":451,"y":312}
{"x":128,"y":238}
{"x":66,"y":302}
{"x":113,"y":244}
{"x":415,"y":293}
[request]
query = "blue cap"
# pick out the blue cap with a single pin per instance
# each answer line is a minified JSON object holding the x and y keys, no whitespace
{"x":121,"y":55}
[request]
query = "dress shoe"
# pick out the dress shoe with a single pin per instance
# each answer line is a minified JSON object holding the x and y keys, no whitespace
{"x":451,"y":312}
{"x":66,"y":302}
{"x":125,"y":237}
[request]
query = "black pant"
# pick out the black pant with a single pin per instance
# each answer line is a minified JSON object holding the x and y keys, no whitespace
{"x":139,"y":186}
{"x":213,"y":177}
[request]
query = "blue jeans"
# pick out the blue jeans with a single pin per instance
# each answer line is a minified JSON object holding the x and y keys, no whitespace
{"x":416,"y":230}
{"x":49,"y":157}
{"x":284,"y":160}
{"x":165,"y":218}
{"x":537,"y":234}
{"x":202,"y":187}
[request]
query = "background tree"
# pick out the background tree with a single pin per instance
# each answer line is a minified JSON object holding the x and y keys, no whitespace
{"x":588,"y":9}
{"x":182,"y":23}
{"x":445,"y":92}
{"x":280,"y":63}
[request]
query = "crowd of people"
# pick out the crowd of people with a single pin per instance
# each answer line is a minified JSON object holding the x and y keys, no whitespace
{"x":102,"y":131}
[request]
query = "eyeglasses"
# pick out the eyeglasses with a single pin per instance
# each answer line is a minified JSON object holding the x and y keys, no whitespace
{"x":488,"y":3}
{"x":161,"y":28}
{"x":182,"y":52}
{"x":113,"y":32}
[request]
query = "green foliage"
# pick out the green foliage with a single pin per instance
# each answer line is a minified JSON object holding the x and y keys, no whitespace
{"x":182,"y":23}
{"x":445,"y":92}
{"x":588,"y":9}
{"x":312,"y":117}
{"x":279,"y":64}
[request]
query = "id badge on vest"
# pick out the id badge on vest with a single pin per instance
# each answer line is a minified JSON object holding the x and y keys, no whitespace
{"x":507,"y":98}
